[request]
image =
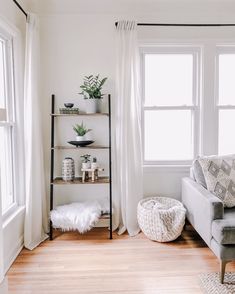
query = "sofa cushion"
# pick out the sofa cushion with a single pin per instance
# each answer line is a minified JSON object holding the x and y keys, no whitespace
{"x":223,"y":230}
{"x":198,"y":173}
{"x":219,"y":172}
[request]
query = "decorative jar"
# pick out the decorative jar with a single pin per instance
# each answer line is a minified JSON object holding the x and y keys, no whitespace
{"x":68,"y":169}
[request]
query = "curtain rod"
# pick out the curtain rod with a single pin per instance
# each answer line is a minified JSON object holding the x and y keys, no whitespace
{"x":20,"y":7}
{"x":185,"y":24}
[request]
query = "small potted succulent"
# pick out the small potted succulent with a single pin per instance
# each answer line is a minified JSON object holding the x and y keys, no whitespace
{"x":91,"y":91}
{"x":86,"y":162}
{"x":81,"y":132}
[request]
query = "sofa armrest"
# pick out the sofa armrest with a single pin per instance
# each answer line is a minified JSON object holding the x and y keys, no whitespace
{"x":202,"y":207}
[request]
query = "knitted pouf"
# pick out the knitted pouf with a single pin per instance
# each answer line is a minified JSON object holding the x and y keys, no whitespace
{"x":161,"y":218}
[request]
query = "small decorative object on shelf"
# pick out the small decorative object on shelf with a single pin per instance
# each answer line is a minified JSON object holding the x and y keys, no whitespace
{"x":68,"y":169}
{"x":69,"y":110}
{"x":81,"y":132}
{"x":91,"y":90}
{"x":86,"y":161}
{"x":68,"y":105}
{"x":81,"y":143}
{"x":90,"y":172}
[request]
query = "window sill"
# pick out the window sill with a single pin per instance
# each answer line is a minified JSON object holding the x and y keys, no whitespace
{"x":166,"y":168}
{"x":18,"y":210}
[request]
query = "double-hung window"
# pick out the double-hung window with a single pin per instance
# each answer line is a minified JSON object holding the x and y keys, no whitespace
{"x":226,"y":99}
{"x":170,"y":104}
{"x":7,"y":124}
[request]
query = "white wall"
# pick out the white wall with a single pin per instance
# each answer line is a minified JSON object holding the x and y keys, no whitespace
{"x":13,"y":228}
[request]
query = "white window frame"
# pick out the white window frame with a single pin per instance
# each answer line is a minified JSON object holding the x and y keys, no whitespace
{"x":8,"y":36}
{"x":195,"y":107}
{"x":220,"y":49}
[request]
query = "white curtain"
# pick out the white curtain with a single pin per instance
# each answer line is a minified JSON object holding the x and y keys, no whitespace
{"x":36,"y":220}
{"x":128,"y":145}
{"x":1,"y":244}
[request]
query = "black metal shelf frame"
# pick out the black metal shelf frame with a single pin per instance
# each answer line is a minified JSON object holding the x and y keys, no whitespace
{"x":53,"y":149}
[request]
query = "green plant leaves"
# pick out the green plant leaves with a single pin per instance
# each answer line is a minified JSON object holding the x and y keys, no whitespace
{"x":85,"y":158}
{"x":81,"y":129}
{"x":92,"y":86}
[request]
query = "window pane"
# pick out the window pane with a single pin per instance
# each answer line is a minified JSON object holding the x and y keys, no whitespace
{"x":168,"y":135}
{"x":226,"y":79}
{"x":2,"y":82}
{"x":226,"y":132}
{"x":168,"y":79}
{"x":6,"y":176}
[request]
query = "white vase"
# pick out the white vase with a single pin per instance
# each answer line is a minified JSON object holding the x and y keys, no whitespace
{"x":92,"y":105}
{"x":86,"y":165}
{"x":80,"y":138}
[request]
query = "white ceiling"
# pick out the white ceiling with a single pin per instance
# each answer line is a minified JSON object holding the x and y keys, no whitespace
{"x":131,"y":6}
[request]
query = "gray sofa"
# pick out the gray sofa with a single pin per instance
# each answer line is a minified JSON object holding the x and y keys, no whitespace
{"x":214,"y":223}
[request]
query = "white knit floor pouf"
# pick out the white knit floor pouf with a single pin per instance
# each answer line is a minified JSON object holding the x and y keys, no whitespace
{"x":161,"y":218}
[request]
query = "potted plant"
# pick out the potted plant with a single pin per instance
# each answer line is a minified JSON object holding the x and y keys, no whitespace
{"x":86,"y":162}
{"x":91,"y":90}
{"x":81,"y":132}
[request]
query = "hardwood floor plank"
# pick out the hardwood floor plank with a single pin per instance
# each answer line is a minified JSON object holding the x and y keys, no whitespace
{"x":91,"y":263}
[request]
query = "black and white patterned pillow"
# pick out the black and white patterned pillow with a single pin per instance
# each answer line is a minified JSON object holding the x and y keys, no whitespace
{"x":219,"y":172}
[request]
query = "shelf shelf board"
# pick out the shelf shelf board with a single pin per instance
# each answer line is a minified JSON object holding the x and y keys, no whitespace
{"x":105,"y":216}
{"x":76,"y":148}
{"x":80,"y":114}
{"x":78,"y":181}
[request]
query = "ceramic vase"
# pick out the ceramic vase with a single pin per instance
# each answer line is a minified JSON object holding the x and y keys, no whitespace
{"x":68,"y":169}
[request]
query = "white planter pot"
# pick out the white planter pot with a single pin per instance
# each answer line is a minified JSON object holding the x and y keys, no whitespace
{"x":94,"y":165}
{"x":80,"y":138}
{"x":86,"y":165}
{"x":88,"y":136}
{"x":93,"y":105}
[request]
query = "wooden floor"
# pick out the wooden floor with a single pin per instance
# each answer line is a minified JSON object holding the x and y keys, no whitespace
{"x":94,"y":264}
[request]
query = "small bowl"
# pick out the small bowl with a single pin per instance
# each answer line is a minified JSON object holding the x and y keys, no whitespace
{"x":68,"y":105}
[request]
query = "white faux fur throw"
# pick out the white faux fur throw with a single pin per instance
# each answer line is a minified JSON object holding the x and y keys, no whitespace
{"x":80,"y":216}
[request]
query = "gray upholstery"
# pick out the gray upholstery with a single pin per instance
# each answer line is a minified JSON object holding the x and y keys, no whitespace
{"x":214,"y":223}
{"x":223,"y":252}
{"x":223,"y":230}
{"x":202,"y":207}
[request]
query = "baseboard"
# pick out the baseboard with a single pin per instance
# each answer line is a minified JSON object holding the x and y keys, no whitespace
{"x":10,"y":258}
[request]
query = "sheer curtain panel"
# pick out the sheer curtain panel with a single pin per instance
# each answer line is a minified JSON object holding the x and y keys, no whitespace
{"x":36,"y":220}
{"x":1,"y":244}
{"x":128,"y":146}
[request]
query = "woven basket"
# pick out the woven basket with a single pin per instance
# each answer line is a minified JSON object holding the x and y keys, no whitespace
{"x":161,"y":218}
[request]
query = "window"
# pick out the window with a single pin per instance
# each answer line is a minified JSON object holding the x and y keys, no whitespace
{"x":7,"y":124}
{"x":226,"y":99}
{"x":170,"y":90}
